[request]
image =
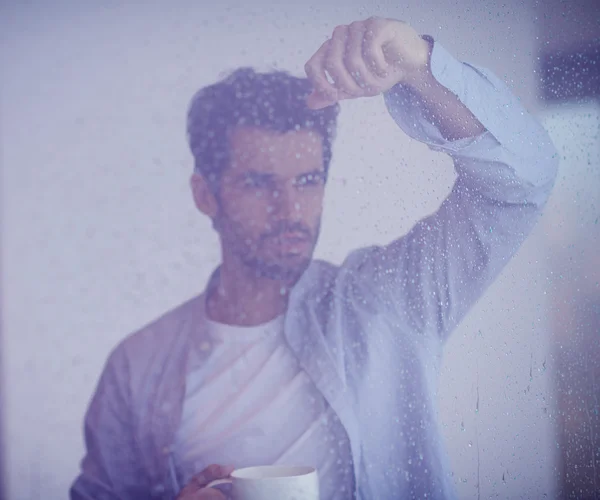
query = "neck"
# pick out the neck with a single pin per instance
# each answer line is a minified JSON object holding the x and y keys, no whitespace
{"x":241,"y":298}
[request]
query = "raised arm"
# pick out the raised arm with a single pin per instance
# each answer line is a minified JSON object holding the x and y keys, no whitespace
{"x":505,"y":161}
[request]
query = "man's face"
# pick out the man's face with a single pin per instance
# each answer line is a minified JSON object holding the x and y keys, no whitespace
{"x":271,"y":199}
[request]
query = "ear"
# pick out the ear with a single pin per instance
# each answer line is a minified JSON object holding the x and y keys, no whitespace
{"x":203,"y":197}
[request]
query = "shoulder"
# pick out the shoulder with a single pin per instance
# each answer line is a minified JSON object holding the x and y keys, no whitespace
{"x":321,"y":276}
{"x":318,"y":279}
{"x":322,"y":270}
{"x":158,"y":338}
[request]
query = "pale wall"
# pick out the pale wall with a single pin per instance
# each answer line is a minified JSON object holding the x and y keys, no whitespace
{"x":100,"y":234}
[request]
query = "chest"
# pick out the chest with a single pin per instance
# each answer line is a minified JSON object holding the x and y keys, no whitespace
{"x":254,"y":404}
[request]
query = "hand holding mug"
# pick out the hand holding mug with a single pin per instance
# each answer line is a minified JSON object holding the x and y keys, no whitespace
{"x":272,"y":482}
{"x":199,"y":486}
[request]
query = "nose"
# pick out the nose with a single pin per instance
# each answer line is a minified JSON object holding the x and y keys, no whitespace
{"x":286,"y":203}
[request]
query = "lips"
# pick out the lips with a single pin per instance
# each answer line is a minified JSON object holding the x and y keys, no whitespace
{"x":292,"y":242}
{"x":295,"y":237}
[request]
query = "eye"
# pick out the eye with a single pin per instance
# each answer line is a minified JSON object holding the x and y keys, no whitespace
{"x":255,"y":182}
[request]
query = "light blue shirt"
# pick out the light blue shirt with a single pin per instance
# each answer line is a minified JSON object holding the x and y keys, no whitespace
{"x":369,"y":333}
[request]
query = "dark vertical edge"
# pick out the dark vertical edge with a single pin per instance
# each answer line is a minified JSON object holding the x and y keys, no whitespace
{"x":3,"y":494}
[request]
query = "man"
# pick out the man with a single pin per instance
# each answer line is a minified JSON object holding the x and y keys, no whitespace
{"x":286,"y":360}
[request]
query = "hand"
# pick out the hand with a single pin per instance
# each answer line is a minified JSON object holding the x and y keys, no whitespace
{"x":366,"y":58}
{"x":196,"y":489}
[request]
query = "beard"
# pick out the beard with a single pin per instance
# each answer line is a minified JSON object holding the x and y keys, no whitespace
{"x":289,"y":274}
{"x":251,"y":250}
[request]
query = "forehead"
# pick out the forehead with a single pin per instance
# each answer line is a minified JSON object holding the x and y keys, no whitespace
{"x":282,"y":153}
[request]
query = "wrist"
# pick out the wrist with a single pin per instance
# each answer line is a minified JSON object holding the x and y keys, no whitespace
{"x":421,"y":78}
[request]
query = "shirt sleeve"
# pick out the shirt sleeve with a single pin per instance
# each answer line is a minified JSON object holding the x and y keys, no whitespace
{"x":111,"y":468}
{"x":432,"y":276}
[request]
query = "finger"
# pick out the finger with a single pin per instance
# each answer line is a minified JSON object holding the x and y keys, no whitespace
{"x":334,"y":64}
{"x":226,"y":470}
{"x":211,"y":473}
{"x":320,"y":100}
{"x":354,"y":60}
{"x":315,"y":71}
{"x":374,"y":39}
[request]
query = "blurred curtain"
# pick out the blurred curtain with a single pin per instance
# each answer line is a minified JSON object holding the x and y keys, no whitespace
{"x":570,"y":89}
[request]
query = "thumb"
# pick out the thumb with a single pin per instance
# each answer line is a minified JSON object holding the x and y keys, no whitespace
{"x":212,"y":473}
{"x":318,"y":100}
{"x":226,"y":470}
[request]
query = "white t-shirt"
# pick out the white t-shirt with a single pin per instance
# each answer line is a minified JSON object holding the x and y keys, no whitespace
{"x":250,"y":404}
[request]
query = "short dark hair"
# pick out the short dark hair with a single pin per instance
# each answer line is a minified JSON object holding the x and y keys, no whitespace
{"x":274,"y":101}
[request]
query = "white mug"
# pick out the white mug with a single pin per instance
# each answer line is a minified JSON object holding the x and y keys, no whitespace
{"x":273,"y":482}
